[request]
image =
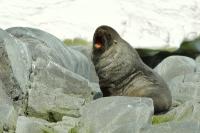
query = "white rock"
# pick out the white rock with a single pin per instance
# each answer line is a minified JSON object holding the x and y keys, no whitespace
{"x":32,"y":125}
{"x":117,"y":114}
{"x":8,"y":117}
{"x":4,"y":99}
{"x":143,"y":23}
{"x":36,"y":125}
{"x":53,"y":105}
{"x":174,"y":66}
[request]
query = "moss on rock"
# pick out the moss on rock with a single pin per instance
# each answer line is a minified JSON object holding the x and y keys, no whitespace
{"x":76,"y":41}
{"x":157,"y":119}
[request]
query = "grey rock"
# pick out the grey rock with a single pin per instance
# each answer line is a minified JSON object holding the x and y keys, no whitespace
{"x":174,"y":66}
{"x":116,"y":115}
{"x":53,"y":105}
{"x":198,"y":63}
{"x":37,"y":68}
{"x":42,"y":45}
{"x":65,"y":56}
{"x":12,"y":67}
{"x":8,"y":117}
{"x":4,"y":99}
{"x":185,"y":87}
{"x":35,"y":125}
{"x":66,"y":125}
{"x":198,"y":59}
{"x":54,"y":76}
{"x":87,"y":50}
{"x":188,"y":111}
{"x":174,"y":127}
{"x":32,"y":125}
{"x":198,"y":66}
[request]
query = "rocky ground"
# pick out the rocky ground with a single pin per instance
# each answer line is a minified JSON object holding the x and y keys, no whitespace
{"x":46,"y":87}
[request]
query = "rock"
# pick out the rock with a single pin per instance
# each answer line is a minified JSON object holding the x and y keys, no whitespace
{"x":86,"y":50}
{"x":188,"y":111}
{"x":36,"y":67}
{"x":67,"y":124}
{"x":8,"y":117}
{"x":54,"y":76}
{"x":174,"y":127}
{"x":152,"y":57}
{"x":12,"y":67}
{"x":185,"y":87}
{"x":53,"y":105}
{"x":182,"y":77}
{"x":66,"y":57}
{"x":198,"y":63}
{"x":116,"y":115}
{"x":198,"y":59}
{"x":32,"y":125}
{"x":4,"y":99}
{"x":35,"y":125}
{"x":43,"y":45}
{"x":174,"y":66}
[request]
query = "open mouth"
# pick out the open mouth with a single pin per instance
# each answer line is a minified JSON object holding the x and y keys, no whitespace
{"x":99,"y":40}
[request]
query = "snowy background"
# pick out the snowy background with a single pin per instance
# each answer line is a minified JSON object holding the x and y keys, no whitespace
{"x":143,"y":23}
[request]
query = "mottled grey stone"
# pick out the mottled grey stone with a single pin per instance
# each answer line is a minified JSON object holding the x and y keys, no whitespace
{"x":42,"y":45}
{"x":185,"y":87}
{"x":198,"y":66}
{"x":54,"y":76}
{"x":188,"y":111}
{"x":116,"y":115}
{"x":66,"y":125}
{"x":174,"y":66}
{"x":53,"y":105}
{"x":198,"y":59}
{"x":37,"y":68}
{"x":4,"y":99}
{"x":32,"y":125}
{"x":65,"y":56}
{"x":36,"y":125}
{"x":8,"y":117}
{"x":198,"y":63}
{"x":174,"y":127}
{"x":12,"y":67}
{"x":86,"y":50}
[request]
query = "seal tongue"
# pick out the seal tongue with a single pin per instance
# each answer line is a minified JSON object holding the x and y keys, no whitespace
{"x":98,"y":45}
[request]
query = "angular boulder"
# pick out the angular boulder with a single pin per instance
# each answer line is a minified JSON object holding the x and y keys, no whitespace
{"x":174,"y":127}
{"x":8,"y":117}
{"x":116,"y":115}
{"x":50,"y":79}
{"x":36,"y":125}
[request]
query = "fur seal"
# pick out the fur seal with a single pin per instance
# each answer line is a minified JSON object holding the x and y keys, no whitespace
{"x":122,"y":72}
